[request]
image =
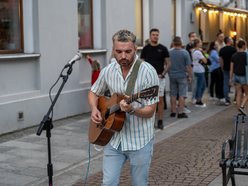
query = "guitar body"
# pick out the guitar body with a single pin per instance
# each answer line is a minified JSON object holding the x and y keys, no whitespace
{"x":101,"y":134}
{"x":113,"y":117}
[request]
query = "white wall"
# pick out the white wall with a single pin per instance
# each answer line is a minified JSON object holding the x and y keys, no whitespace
{"x":25,"y":82}
{"x":187,"y":24}
{"x":161,"y":17}
{"x":118,"y":15}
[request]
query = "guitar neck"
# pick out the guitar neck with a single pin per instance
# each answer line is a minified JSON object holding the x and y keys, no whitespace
{"x":132,"y":98}
{"x":129,"y":100}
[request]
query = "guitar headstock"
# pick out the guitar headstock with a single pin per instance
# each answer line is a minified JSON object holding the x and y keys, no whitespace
{"x":149,"y":92}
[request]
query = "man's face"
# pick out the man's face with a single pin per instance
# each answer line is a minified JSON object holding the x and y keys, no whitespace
{"x":124,"y":52}
{"x":154,"y":37}
{"x":192,"y":37}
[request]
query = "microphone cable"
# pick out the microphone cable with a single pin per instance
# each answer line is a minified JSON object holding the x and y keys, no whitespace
{"x":88,"y":166}
{"x":50,"y":90}
{"x":89,"y":161}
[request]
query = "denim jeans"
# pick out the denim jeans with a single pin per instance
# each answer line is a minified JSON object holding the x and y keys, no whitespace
{"x":216,"y":84}
{"x":193,"y":87}
{"x":114,"y":160}
{"x":200,"y":85}
{"x":226,"y":75}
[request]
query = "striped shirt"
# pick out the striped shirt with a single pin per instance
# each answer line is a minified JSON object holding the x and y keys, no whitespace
{"x":136,"y":131}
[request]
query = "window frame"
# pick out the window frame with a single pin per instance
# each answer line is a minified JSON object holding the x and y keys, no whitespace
{"x":91,"y":28}
{"x":21,"y":49}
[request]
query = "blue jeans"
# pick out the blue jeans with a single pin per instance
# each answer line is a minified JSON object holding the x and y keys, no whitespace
{"x":226,"y":76}
{"x":200,"y":85}
{"x":114,"y":160}
{"x":193,"y":84}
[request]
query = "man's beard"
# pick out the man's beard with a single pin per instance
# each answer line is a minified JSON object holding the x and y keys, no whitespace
{"x":126,"y":63}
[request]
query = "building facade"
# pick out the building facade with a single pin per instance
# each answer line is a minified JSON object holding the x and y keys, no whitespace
{"x":51,"y":33}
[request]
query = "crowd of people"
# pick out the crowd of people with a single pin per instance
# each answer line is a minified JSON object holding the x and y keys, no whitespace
{"x":225,"y":62}
{"x":214,"y":68}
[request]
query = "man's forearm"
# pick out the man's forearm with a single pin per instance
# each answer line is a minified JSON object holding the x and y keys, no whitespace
{"x":92,"y":99}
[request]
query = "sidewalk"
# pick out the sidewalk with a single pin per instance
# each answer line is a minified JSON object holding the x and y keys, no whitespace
{"x":23,"y":157}
{"x":189,"y":157}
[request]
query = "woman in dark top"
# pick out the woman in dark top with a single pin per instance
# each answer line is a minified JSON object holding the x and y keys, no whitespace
{"x":238,"y":75}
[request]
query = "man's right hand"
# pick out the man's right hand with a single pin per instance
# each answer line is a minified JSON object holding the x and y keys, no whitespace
{"x":96,"y":116}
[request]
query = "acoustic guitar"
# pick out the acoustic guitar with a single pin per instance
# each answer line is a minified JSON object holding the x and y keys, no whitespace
{"x":113,"y":117}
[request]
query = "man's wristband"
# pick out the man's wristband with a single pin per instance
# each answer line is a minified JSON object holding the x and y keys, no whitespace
{"x":131,"y":112}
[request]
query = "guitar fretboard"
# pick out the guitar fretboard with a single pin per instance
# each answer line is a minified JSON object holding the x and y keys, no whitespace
{"x":129,"y":100}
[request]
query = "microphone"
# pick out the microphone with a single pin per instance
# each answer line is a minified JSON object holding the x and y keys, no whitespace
{"x":77,"y":57}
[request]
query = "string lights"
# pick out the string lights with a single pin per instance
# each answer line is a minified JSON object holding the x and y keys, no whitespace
{"x":216,"y":11}
{"x":230,"y":16}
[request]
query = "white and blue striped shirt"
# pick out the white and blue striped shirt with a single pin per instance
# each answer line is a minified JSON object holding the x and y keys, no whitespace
{"x":136,"y":131}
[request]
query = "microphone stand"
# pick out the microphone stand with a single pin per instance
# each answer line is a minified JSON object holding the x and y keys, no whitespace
{"x":46,"y":124}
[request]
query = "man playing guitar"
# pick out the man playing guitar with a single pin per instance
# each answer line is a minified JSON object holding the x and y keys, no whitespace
{"x":134,"y":142}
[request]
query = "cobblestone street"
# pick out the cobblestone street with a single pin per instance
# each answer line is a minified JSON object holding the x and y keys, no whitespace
{"x":189,"y":157}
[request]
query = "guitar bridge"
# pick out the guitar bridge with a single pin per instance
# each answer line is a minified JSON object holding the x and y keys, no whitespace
{"x":99,"y":126}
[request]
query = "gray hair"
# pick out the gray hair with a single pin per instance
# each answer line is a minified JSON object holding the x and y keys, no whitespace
{"x":124,"y":36}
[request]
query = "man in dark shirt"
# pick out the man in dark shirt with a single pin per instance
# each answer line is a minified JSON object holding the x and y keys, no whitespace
{"x":158,"y":56}
{"x":225,"y":59}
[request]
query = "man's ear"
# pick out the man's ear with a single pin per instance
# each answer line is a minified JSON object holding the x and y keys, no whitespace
{"x":135,"y":47}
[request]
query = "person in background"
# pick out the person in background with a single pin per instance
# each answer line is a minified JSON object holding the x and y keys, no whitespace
{"x":238,"y":75}
{"x":220,"y":41}
{"x":158,"y":56}
{"x":216,"y":76}
{"x":225,"y":59}
{"x":206,"y":66}
{"x":95,"y":66}
{"x":189,"y":47}
{"x":135,"y":140}
{"x":180,"y":74}
{"x":199,"y":72}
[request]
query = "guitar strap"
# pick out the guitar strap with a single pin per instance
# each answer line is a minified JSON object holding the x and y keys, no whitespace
{"x":133,"y":77}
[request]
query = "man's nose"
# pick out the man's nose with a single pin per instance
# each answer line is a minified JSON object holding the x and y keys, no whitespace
{"x":123,"y":55}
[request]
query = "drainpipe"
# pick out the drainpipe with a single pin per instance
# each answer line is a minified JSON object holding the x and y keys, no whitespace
{"x":178,"y":18}
{"x":174,"y":17}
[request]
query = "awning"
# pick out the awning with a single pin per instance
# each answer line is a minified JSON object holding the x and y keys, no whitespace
{"x":209,"y":7}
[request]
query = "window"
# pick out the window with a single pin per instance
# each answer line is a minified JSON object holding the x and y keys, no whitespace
{"x":85,"y":34}
{"x":138,"y":21}
{"x":11,"y":33}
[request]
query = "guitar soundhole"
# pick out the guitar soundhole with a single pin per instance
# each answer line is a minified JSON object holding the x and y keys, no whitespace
{"x":106,"y":114}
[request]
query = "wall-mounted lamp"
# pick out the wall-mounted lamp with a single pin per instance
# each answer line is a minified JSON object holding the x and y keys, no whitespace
{"x":233,"y":33}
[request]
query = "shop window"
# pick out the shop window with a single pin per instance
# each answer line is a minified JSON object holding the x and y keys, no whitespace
{"x":139,"y":21}
{"x":11,"y":32}
{"x":85,"y":33}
